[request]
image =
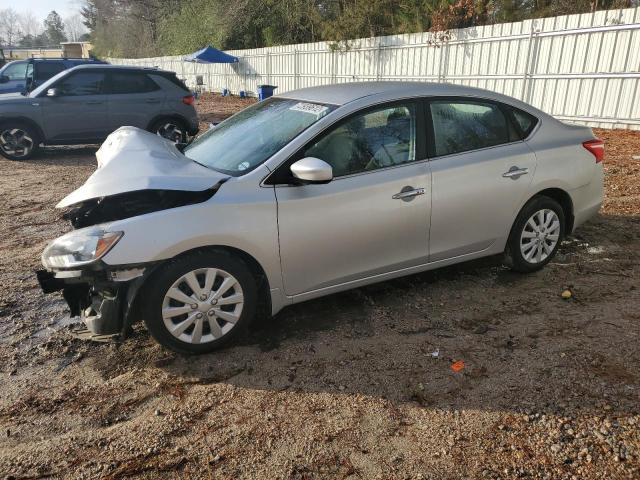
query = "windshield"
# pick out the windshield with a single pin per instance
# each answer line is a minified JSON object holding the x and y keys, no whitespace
{"x":246,"y":140}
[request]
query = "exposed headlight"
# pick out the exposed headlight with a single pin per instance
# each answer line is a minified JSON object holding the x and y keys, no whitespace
{"x":78,"y":248}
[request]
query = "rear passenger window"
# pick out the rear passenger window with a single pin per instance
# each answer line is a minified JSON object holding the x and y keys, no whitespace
{"x":122,"y":83}
{"x":46,"y":70}
{"x":525,"y":121}
{"x":460,"y":126}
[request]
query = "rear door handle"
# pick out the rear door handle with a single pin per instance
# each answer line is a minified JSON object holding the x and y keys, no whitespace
{"x":408,"y":192}
{"x":152,"y":100}
{"x":94,"y":102}
{"x":515,"y":172}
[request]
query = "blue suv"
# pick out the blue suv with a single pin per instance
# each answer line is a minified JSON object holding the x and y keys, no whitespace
{"x":22,"y":76}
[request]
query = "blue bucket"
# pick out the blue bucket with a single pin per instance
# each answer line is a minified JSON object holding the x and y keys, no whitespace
{"x":265,"y":91}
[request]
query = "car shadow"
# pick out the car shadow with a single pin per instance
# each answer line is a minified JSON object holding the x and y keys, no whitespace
{"x":524,"y":347}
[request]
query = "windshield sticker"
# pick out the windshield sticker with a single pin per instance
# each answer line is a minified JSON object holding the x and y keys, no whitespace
{"x":311,"y":108}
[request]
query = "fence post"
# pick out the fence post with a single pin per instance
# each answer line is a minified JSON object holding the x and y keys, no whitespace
{"x":295,"y":69}
{"x":531,"y":50}
{"x":268,"y":68}
{"x":333,"y":66}
{"x":443,"y":61}
{"x":379,"y":61}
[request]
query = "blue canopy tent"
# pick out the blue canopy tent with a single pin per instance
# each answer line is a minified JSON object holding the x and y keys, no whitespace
{"x":209,"y":54}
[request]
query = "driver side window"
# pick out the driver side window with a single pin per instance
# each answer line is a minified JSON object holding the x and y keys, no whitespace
{"x":16,"y":71}
{"x":376,"y":139}
{"x":80,"y":84}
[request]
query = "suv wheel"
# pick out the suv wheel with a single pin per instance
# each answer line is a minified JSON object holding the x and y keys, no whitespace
{"x":536,"y":235}
{"x":18,"y":141}
{"x":171,"y":129}
{"x":197,"y":303}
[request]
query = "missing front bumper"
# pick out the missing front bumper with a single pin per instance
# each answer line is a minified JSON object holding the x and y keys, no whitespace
{"x":106,"y":307}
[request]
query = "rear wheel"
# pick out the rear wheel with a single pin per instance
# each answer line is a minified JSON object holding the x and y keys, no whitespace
{"x":18,"y":140}
{"x":536,"y":234}
{"x":170,"y":128}
{"x":197,"y":303}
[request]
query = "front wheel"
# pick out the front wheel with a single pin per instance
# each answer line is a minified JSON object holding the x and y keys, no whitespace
{"x":197,"y":303}
{"x":536,"y":234}
{"x":18,"y":141}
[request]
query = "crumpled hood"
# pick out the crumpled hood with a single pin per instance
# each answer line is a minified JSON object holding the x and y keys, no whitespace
{"x":131,"y":159}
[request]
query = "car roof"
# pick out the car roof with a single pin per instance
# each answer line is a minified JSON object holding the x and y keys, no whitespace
{"x":123,"y":68}
{"x":342,"y":93}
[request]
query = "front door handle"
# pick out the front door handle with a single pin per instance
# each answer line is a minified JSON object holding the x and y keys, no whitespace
{"x":408,"y":193}
{"x":94,"y":102}
{"x":515,"y":172}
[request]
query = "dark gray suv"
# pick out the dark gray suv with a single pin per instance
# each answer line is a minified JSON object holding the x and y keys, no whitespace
{"x":84,"y":104}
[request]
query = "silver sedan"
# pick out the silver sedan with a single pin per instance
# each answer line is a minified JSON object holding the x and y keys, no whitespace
{"x":313,"y":192}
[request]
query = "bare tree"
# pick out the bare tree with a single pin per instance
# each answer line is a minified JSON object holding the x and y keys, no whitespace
{"x":74,"y":27}
{"x":9,"y":26}
{"x":30,"y":25}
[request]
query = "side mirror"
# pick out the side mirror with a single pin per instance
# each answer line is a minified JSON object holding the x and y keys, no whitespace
{"x":312,"y":170}
{"x":4,"y":79}
{"x":53,"y":92}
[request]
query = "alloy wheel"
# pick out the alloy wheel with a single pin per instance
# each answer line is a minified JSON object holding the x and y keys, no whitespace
{"x":202,"y":305}
{"x":540,"y":236}
{"x":16,"y":142}
{"x":170,"y":131}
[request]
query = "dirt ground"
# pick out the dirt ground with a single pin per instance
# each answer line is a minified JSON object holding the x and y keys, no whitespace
{"x":357,"y":385}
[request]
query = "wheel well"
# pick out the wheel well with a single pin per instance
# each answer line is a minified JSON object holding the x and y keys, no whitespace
{"x":27,"y":121}
{"x":565,"y":202}
{"x":168,"y":117}
{"x":264,"y":291}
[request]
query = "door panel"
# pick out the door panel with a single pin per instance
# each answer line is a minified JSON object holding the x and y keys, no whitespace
{"x":473,"y":203}
{"x":480,"y":172}
{"x":79,"y":113}
{"x":352,"y":228}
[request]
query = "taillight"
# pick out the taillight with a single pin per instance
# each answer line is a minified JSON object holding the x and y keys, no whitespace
{"x":596,"y":147}
{"x":188,"y":100}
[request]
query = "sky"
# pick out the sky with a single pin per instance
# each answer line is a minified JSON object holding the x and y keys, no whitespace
{"x":41,"y":8}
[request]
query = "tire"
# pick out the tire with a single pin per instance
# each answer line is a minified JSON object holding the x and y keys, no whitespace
{"x":170,"y":128}
{"x":18,"y":140}
{"x":201,"y":326}
{"x":530,"y":246}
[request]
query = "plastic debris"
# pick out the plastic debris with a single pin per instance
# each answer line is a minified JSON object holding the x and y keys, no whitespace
{"x":566,"y":294}
{"x":457,"y":366}
{"x":436,"y":353}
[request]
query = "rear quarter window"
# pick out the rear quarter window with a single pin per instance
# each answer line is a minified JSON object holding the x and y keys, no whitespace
{"x":524,"y":121}
{"x":175,"y":80}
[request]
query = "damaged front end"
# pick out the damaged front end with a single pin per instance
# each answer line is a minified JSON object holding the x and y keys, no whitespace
{"x":103,"y":299}
{"x":138,"y":174}
{"x":104,"y":296}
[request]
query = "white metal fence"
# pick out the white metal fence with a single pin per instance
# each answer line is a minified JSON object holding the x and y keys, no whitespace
{"x":581,"y":68}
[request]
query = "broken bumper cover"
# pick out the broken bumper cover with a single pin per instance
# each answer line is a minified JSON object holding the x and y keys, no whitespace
{"x":103,"y":299}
